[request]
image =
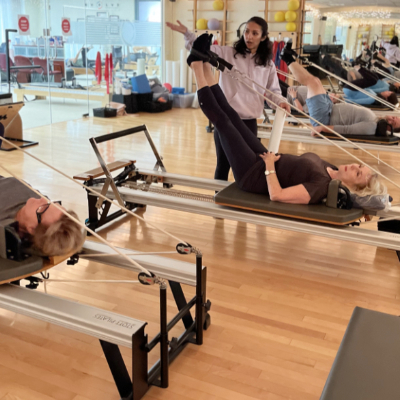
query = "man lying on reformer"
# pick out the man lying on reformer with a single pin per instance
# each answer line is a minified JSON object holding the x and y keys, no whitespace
{"x":40,"y":223}
{"x":297,"y":96}
{"x":346,"y":119}
{"x":286,"y":178}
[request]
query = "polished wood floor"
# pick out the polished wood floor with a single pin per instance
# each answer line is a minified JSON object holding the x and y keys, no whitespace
{"x":281,"y":301}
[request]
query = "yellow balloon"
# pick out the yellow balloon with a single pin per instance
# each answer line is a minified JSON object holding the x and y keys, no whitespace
{"x":279,"y":16}
{"x":218,"y":5}
{"x":293,"y":5}
{"x":290,"y":16}
{"x":360,"y":35}
{"x":201,"y":24}
{"x":367,"y":28}
{"x":291,"y":27}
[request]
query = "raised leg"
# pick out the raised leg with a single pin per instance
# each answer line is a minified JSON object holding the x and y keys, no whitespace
{"x":313,"y":83}
{"x":240,"y":156}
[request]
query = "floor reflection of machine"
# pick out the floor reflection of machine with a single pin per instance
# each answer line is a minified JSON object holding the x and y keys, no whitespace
{"x":11,"y":124}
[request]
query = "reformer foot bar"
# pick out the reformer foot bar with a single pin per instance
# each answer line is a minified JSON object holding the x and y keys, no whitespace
{"x":136,"y":194}
{"x":112,"y":329}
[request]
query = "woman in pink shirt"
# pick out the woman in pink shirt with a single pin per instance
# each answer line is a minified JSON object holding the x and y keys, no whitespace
{"x":251,"y":54}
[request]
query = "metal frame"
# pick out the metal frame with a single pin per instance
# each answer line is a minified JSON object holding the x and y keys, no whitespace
{"x":139,"y":197}
{"x":302,"y":135}
{"x":349,"y":233}
{"x":90,"y":320}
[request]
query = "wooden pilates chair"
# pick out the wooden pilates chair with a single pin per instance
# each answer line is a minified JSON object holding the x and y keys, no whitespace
{"x":11,"y":124}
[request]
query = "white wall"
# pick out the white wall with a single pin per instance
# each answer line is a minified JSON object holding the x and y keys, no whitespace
{"x":76,"y":9}
{"x":10,"y":9}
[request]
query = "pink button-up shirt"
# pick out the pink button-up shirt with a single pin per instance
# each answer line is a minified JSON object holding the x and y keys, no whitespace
{"x":245,"y":102}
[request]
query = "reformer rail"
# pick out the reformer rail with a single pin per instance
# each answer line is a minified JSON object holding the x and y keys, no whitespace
{"x":348,"y":233}
{"x":302,"y":135}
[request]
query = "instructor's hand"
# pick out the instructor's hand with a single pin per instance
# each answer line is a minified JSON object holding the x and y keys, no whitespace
{"x":285,"y":106}
{"x":178,"y":28}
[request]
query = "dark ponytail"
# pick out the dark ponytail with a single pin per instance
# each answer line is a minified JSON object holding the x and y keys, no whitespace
{"x":395,"y":41}
{"x":263,"y":55}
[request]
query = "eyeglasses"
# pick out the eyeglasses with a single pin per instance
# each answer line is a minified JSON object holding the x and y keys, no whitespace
{"x":42,"y":209}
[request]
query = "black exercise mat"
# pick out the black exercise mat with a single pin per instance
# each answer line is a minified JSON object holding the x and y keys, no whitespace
{"x":383,"y":140}
{"x":232,"y":196}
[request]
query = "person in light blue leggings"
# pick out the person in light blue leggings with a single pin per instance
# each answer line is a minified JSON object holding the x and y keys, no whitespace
{"x":359,"y":97}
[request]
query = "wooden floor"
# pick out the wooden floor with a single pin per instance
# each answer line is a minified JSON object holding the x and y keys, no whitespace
{"x":280,"y":300}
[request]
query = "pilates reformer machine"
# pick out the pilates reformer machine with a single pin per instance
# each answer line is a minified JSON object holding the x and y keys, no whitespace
{"x":18,"y":263}
{"x":389,"y":143}
{"x":110,"y":328}
{"x":136,"y":187}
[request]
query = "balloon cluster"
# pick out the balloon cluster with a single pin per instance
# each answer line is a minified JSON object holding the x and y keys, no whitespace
{"x":289,"y":16}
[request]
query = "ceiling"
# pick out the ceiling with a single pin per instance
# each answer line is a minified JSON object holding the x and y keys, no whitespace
{"x":355,"y":3}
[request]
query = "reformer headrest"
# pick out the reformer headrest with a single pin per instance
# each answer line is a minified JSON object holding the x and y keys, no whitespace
{"x":383,"y":128}
{"x":338,"y":196}
{"x":11,"y":245}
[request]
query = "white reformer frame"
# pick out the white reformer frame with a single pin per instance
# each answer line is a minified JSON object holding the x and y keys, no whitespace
{"x":142,"y":197}
{"x":271,"y":114}
{"x":303,"y":135}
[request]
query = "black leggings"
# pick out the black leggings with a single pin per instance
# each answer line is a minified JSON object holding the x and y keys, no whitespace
{"x":368,"y":79}
{"x":223,"y":164}
{"x":239,"y":143}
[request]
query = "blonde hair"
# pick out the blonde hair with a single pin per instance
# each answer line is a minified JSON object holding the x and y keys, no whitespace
{"x":62,"y":237}
{"x":374,"y":187}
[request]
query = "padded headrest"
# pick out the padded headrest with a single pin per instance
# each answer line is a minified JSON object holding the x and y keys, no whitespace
{"x":338,"y":196}
{"x":11,"y":245}
{"x":3,"y":225}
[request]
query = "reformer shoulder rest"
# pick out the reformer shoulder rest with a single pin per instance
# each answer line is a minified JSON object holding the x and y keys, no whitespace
{"x":15,"y":264}
{"x":232,"y":196}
